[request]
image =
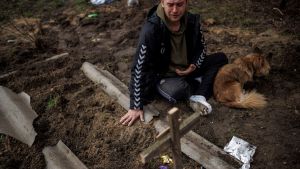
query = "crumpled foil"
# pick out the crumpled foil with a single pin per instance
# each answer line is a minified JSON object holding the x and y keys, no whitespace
{"x":166,"y":159}
{"x":241,"y":150}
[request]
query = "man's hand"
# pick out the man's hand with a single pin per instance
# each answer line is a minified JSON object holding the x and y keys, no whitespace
{"x":132,"y":115}
{"x":187,"y":71}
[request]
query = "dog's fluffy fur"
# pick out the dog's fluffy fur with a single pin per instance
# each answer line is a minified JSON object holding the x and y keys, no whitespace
{"x":229,"y":82}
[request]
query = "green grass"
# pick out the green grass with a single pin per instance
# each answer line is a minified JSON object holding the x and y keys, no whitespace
{"x":52,"y":102}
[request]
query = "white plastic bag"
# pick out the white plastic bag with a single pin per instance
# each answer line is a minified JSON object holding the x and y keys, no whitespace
{"x":99,"y":2}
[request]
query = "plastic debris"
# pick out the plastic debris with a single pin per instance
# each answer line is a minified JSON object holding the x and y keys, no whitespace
{"x":163,"y":167}
{"x":166,"y":159}
{"x":16,"y":116}
{"x":241,"y":150}
{"x":93,"y":15}
{"x":100,"y":2}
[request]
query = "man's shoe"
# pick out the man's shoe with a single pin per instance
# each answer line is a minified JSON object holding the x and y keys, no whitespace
{"x":199,"y":104}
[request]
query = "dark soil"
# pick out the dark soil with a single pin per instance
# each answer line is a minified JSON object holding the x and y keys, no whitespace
{"x":86,"y":119}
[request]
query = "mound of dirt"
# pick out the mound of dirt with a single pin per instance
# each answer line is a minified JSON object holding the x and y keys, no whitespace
{"x":73,"y":109}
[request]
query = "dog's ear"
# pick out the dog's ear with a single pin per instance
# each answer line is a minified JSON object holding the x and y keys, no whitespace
{"x":257,"y":50}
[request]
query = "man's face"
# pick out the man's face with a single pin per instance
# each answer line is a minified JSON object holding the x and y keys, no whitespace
{"x":174,"y":9}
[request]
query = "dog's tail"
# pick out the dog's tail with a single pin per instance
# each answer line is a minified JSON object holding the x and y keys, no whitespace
{"x":250,"y":100}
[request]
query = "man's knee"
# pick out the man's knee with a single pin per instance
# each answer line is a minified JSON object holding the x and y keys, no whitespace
{"x":221,"y":58}
{"x":173,"y":89}
{"x":216,"y":60}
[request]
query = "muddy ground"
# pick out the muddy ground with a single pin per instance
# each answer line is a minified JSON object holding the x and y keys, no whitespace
{"x":73,"y":109}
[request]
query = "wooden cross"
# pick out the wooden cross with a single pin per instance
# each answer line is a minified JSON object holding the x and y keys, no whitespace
{"x":175,"y":138}
{"x":171,"y":138}
{"x":192,"y":144}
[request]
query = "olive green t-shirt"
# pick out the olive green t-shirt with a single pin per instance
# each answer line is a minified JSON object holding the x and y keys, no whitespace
{"x":178,"y":43}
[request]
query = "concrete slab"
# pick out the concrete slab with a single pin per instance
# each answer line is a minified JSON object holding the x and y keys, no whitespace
{"x":61,"y":157}
{"x":16,"y":116}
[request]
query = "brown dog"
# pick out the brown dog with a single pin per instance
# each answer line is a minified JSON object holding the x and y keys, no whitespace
{"x":229,"y":82}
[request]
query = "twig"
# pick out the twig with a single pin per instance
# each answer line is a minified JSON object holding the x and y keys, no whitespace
{"x":278,"y":10}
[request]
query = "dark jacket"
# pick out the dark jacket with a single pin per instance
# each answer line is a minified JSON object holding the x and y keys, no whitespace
{"x":153,"y":55}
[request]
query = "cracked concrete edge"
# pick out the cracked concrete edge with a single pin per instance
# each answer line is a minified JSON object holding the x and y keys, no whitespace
{"x":61,"y":157}
{"x":16,"y":116}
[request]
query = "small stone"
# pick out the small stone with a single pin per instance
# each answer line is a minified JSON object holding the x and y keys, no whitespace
{"x":132,"y":2}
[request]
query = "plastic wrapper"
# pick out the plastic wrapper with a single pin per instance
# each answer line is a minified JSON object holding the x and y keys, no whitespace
{"x":166,"y":159}
{"x":241,"y":150}
{"x":163,"y":167}
{"x":99,"y":2}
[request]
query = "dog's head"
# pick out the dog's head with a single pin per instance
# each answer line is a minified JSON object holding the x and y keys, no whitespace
{"x":260,"y":63}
